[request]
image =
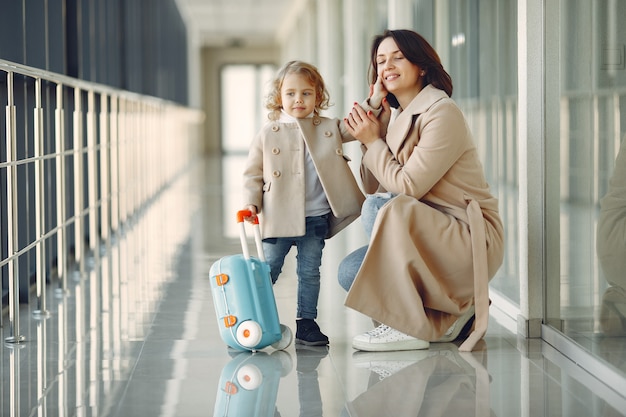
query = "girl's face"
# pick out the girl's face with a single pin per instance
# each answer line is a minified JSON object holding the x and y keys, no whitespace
{"x":399,"y":76}
{"x":297,"y":96}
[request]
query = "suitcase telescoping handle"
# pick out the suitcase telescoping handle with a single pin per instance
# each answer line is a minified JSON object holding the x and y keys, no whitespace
{"x":241,"y":214}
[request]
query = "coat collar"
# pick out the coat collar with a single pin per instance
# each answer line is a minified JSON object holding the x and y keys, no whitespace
{"x":399,"y":128}
{"x":428,"y":96}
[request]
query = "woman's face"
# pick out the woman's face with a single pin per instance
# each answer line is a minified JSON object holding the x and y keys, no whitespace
{"x":400,"y":76}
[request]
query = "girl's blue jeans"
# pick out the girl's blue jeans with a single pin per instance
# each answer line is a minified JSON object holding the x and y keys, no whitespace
{"x":308,"y":260}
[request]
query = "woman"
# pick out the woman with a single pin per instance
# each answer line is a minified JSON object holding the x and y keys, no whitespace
{"x":436,"y":235}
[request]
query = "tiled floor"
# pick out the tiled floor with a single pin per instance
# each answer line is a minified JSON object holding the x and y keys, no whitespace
{"x":136,"y":335}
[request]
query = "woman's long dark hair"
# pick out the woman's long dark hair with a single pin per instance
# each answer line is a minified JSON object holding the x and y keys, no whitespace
{"x":419,"y":52}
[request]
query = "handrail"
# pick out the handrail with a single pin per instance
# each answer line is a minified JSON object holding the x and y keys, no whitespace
{"x":109,"y":151}
{"x":9,"y":66}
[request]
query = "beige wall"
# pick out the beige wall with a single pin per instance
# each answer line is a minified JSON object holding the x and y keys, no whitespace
{"x":213,"y":59}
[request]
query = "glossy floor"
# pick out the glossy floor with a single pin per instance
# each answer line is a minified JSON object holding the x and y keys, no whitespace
{"x":133,"y":332}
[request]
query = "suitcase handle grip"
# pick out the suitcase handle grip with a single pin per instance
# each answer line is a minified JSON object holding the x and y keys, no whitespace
{"x":241,"y":214}
{"x":257,"y":235}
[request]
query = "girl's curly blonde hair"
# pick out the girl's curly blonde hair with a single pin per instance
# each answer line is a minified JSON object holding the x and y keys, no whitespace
{"x":273,"y":102}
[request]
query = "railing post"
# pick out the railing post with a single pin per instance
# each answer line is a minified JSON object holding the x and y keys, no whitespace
{"x":14,"y":296}
{"x":92,"y":184}
{"x":105,"y":189}
{"x":41,"y":311}
{"x":122,"y":148}
{"x":61,"y":190}
{"x":115,"y":166}
{"x":78,"y":183}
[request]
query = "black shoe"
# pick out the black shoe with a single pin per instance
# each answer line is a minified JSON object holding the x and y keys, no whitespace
{"x":308,"y":333}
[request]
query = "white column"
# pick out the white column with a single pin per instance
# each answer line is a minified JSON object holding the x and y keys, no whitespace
{"x":355,"y":52}
{"x":531,"y":165}
{"x":400,"y":14}
{"x":330,"y":52}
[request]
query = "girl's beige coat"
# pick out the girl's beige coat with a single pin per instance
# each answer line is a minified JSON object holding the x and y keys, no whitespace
{"x":274,"y":175}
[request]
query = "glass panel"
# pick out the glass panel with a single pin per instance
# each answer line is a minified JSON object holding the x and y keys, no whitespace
{"x":587,"y":297}
{"x":244,"y":88}
{"x":243,"y":112}
{"x":480,"y":53}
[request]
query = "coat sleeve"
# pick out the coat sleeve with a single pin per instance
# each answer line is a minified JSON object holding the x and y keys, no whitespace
{"x":347,"y":137}
{"x":253,"y":181}
{"x":370,"y":183}
{"x":432,"y":145}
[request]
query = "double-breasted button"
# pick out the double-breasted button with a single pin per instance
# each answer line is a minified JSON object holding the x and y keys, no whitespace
{"x":276,"y":174}
{"x":339,"y":151}
{"x":316,"y":121}
{"x":328,"y":133}
{"x":275,"y":128}
{"x":275,"y":151}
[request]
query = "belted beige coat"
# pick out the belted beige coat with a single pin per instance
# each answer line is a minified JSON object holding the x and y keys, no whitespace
{"x":274,"y":175}
{"x":436,"y":245}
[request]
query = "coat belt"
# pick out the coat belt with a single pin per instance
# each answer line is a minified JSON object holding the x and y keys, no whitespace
{"x":481,"y":275}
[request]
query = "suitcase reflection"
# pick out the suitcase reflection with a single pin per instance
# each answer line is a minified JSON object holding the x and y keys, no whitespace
{"x":248,"y":385}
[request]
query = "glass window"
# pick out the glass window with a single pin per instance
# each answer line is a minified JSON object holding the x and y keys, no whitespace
{"x":244,"y":88}
{"x":586,"y":297}
{"x":477,"y":42}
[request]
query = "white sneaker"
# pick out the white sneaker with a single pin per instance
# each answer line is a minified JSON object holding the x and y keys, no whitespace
{"x":384,"y":338}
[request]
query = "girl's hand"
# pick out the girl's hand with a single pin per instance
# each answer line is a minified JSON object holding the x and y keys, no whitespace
{"x":253,"y":212}
{"x":384,"y":117}
{"x":377,"y":93}
{"x":364,"y":126}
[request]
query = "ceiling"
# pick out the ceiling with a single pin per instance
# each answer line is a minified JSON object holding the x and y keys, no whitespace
{"x":238,"y":22}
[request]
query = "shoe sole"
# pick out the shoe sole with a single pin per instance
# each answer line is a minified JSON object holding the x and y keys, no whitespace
{"x":359,"y":358}
{"x":460,"y":328}
{"x":307,"y":343}
{"x":391,"y":346}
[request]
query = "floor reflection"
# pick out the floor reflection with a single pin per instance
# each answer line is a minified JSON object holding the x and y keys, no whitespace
{"x":249,"y":383}
{"x":425,"y":383}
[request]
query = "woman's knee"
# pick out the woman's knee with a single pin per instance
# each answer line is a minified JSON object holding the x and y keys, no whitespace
{"x":349,"y":267}
{"x":344,"y":277}
{"x":370,"y":208}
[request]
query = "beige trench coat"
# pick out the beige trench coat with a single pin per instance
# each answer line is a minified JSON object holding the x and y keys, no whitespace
{"x":274,"y":175}
{"x":420,"y":282}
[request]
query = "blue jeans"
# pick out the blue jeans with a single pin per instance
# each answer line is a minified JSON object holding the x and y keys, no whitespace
{"x":350,"y":265}
{"x":309,"y":260}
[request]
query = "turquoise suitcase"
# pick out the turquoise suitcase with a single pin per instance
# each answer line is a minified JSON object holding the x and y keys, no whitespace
{"x":243,"y":297}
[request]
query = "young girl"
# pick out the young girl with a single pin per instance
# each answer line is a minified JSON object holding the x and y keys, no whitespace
{"x":298,"y":180}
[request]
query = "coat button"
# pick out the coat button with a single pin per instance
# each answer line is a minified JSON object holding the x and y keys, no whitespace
{"x":275,"y":128}
{"x":328,"y":133}
{"x":316,"y":121}
{"x":275,"y":151}
{"x":276,"y":174}
{"x":339,"y":151}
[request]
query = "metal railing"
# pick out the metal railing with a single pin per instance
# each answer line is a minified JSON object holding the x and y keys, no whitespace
{"x":78,"y":160}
